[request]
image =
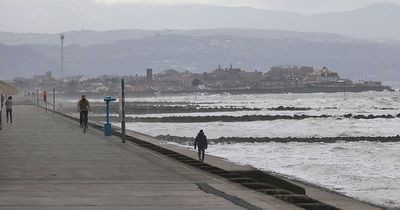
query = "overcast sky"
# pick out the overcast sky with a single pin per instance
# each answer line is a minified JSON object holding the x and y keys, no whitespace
{"x":298,"y":6}
{"x":62,"y":15}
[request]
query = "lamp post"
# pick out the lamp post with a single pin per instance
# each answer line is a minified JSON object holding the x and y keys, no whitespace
{"x":62,"y":56}
{"x":122,"y":110}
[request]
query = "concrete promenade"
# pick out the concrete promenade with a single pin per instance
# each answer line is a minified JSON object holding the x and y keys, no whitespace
{"x":46,"y":162}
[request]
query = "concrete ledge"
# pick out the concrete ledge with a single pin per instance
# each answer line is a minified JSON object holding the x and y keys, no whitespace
{"x":277,"y":181}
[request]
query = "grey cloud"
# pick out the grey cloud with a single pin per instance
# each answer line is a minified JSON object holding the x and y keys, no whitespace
{"x":54,"y":16}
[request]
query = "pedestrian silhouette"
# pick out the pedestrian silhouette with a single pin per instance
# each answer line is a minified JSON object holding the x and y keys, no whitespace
{"x":9,"y":104}
{"x":83,"y":107}
{"x":2,"y":101}
{"x":201,"y":144}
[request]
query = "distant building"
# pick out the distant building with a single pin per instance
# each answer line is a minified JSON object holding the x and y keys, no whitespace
{"x":171,"y":79}
{"x":48,"y":75}
{"x":324,"y":75}
{"x":284,"y":73}
{"x":19,"y":79}
{"x":149,"y":74}
{"x":45,"y":77}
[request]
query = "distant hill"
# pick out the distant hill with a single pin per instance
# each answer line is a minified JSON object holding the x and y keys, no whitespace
{"x":86,"y":37}
{"x":377,"y":21}
{"x":18,"y":61}
{"x":206,"y":50}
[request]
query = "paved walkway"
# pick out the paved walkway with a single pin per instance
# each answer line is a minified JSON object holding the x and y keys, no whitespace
{"x":46,"y":162}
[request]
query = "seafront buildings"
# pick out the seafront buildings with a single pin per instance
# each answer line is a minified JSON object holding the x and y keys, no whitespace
{"x":277,"y":79}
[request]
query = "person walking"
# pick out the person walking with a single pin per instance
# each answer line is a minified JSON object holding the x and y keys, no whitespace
{"x":45,"y":98}
{"x":2,"y":101}
{"x":201,"y":144}
{"x":1,"y":111}
{"x":9,"y":104}
{"x":83,"y":109}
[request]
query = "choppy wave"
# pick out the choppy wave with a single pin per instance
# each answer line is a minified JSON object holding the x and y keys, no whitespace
{"x":321,"y":127}
{"x":368,"y":171}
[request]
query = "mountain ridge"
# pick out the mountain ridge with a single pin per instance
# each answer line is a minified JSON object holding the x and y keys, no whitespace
{"x":89,"y":37}
{"x":204,"y":53}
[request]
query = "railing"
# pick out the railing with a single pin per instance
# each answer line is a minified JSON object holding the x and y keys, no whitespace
{"x":37,"y":99}
{"x":48,"y":101}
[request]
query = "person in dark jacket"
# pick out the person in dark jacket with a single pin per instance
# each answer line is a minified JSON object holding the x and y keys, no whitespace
{"x":83,"y":107}
{"x":2,"y":101}
{"x":201,"y":144}
{"x":9,"y":105}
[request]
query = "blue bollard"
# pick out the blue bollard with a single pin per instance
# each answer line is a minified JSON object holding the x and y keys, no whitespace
{"x":107,"y":129}
{"x":107,"y":125}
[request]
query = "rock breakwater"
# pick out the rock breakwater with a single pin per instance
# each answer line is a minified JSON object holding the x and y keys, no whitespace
{"x":231,"y":140}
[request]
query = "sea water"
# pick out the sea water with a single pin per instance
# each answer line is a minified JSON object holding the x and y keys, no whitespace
{"x":368,"y":171}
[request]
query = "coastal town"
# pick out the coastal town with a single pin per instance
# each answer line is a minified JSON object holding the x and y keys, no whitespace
{"x":277,"y":79}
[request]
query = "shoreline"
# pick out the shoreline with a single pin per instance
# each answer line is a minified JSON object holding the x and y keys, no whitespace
{"x":312,"y":190}
{"x":305,"y":184}
{"x":308,"y":186}
{"x":283,"y":90}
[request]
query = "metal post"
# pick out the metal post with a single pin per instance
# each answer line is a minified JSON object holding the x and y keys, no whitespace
{"x":54,"y":99}
{"x":37,"y":97}
{"x":122,"y":110}
{"x":108,"y":112}
{"x":62,"y":56}
{"x":45,"y":99}
{"x":1,"y":119}
{"x":107,"y":125}
{"x":1,"y":108}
